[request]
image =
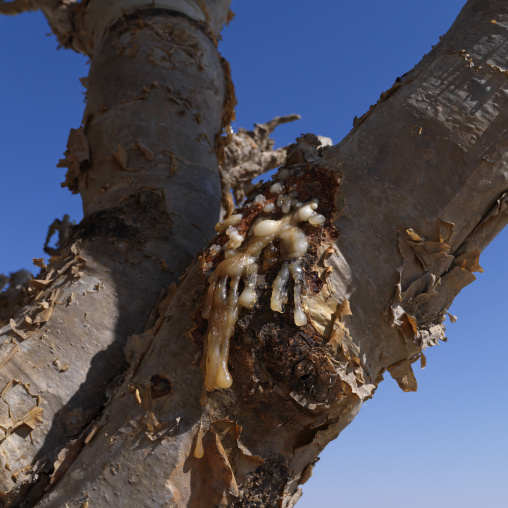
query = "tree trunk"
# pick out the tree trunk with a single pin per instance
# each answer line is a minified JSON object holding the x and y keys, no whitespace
{"x":369,"y":241}
{"x":145,"y":164}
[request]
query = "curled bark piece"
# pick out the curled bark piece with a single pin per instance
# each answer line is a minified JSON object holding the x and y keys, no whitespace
{"x":403,"y":373}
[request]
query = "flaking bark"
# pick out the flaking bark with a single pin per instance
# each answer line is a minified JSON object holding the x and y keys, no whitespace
{"x":151,"y":129}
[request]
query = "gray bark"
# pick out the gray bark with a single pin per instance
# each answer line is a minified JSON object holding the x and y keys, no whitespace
{"x":139,"y":174}
{"x":410,"y":198}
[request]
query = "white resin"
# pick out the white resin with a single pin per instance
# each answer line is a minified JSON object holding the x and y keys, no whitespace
{"x":294,"y":243}
{"x":235,"y":241}
{"x":297,"y":273}
{"x":317,"y":219}
{"x":266,"y":227}
{"x":247,"y":298}
{"x":242,"y":255}
{"x":287,"y":201}
{"x":305,"y":212}
{"x":215,"y":249}
{"x":279,"y":292}
{"x":276,"y":188}
{"x":233,"y":220}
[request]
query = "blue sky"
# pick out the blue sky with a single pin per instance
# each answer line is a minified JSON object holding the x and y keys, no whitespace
{"x":444,"y":446}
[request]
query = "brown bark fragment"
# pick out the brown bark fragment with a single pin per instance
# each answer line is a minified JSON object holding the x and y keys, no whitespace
{"x":404,"y":375}
{"x":77,"y":158}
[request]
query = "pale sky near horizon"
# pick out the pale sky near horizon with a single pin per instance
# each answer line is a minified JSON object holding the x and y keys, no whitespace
{"x":443,"y":446}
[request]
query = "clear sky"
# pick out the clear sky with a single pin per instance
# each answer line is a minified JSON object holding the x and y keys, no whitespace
{"x":444,"y":446}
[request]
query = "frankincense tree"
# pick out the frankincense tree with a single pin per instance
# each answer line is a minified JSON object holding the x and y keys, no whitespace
{"x":138,"y":373}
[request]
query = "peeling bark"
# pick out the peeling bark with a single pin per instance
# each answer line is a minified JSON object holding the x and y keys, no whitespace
{"x":409,"y":199}
{"x":446,"y":183}
{"x":149,"y":137}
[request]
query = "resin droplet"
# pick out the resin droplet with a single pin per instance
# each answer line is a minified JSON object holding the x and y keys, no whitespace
{"x":317,"y":219}
{"x":276,"y":188}
{"x":268,"y":208}
{"x":198,"y":449}
{"x":266,"y":227}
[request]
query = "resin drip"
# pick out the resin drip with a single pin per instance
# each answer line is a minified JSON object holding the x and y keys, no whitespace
{"x":241,"y":264}
{"x":198,"y":449}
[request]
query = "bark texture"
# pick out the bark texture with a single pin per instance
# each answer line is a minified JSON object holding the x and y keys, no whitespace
{"x":144,"y":161}
{"x":409,"y":199}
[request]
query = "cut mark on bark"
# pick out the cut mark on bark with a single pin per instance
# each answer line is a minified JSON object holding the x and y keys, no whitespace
{"x":241,"y":265}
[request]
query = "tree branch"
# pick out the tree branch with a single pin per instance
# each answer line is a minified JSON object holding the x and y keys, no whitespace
{"x":18,"y":6}
{"x":250,"y":154}
{"x":57,"y":13}
{"x":139,"y":229}
{"x":64,"y":229}
{"x":295,"y":387}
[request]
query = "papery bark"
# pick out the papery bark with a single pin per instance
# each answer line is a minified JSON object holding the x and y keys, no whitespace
{"x":145,"y":163}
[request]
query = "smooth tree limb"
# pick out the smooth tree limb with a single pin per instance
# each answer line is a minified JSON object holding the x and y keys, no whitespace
{"x":338,"y":270}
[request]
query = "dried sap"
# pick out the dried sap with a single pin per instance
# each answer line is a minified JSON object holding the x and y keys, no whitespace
{"x":241,"y":262}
